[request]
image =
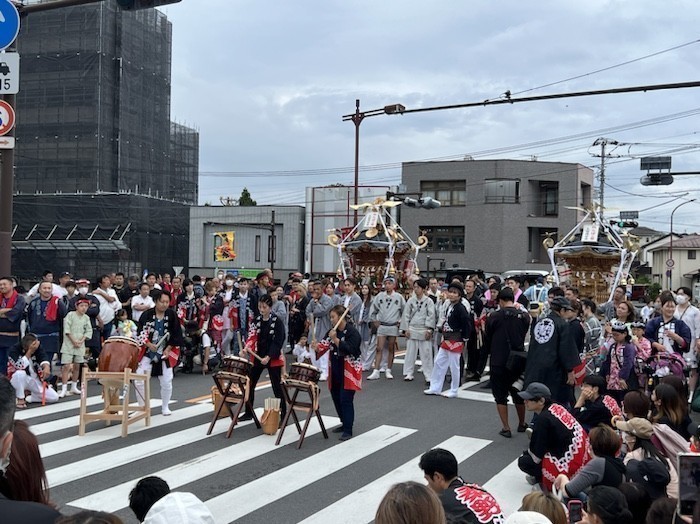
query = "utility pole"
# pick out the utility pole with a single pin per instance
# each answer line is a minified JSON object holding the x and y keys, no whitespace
{"x":602,"y":142}
{"x":272,"y":243}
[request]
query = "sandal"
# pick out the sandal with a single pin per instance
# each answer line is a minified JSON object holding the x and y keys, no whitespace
{"x":505,"y":433}
{"x":21,"y":404}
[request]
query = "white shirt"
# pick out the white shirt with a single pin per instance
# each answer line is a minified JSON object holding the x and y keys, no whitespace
{"x":58,"y":291}
{"x":108,"y":310}
{"x":139,"y":300}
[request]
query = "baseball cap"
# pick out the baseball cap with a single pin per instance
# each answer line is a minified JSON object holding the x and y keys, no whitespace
{"x":527,"y":517}
{"x":65,"y":274}
{"x":390,"y":279}
{"x":535,"y":390}
{"x":456,"y":285}
{"x":561,"y":303}
{"x":639,"y":427}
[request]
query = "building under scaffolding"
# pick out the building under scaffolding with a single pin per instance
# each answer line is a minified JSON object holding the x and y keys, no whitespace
{"x":92,"y":234}
{"x":95,"y":138}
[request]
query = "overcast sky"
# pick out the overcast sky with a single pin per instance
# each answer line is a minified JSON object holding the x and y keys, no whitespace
{"x":266,"y":83}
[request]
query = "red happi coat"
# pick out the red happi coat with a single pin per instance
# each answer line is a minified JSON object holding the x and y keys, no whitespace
{"x":352,"y":367}
{"x":576,"y":455}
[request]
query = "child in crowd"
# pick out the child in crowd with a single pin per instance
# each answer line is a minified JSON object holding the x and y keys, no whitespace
{"x":643,"y":347}
{"x":301,"y":351}
{"x":77,"y":329}
{"x":125,"y":326}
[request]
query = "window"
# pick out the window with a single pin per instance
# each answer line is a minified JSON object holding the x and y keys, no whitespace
{"x":501,"y":191}
{"x":549,"y":198}
{"x":692,"y":254}
{"x":444,"y":239}
{"x":448,"y":192}
{"x":258,"y":241}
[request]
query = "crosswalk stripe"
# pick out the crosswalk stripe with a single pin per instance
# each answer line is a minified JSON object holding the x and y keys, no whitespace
{"x":58,"y":407}
{"x":233,"y":505}
{"x":114,"y":431}
{"x":119,"y":457}
{"x":362,"y":504}
{"x":71,"y":422}
{"x":115,"y":498}
{"x":508,"y":487}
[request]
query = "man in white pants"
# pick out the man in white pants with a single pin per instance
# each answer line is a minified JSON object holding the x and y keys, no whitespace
{"x":456,"y":330}
{"x":417,"y":325}
{"x":155,"y":324}
{"x":26,"y":377}
{"x":387,"y":310}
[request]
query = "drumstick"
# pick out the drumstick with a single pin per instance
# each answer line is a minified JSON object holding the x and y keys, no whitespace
{"x":347,"y":309}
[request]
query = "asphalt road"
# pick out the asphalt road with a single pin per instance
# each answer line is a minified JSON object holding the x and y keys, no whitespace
{"x":248,"y":479}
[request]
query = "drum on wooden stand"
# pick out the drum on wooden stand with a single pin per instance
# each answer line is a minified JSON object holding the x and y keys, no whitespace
{"x":118,"y":353}
{"x":304,"y":373}
{"x":237,"y":365}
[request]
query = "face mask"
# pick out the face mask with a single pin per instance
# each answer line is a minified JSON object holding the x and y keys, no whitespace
{"x":681,"y":299}
{"x":229,"y":283}
{"x":83,"y":290}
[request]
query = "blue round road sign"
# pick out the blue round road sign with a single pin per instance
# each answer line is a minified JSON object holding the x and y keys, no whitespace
{"x":9,"y":23}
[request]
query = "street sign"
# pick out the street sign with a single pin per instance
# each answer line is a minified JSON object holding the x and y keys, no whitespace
{"x":9,"y":73}
{"x":7,"y":142}
{"x":177,"y":269}
{"x":9,"y":23}
{"x":670,"y":263}
{"x":629,"y":215}
{"x":7,"y":118}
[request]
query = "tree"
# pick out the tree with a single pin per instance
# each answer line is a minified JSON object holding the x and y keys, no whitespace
{"x":246,"y":199}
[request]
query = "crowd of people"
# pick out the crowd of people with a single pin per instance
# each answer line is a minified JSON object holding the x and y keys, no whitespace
{"x":608,"y":386}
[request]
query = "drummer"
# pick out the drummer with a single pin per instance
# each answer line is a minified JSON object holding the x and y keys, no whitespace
{"x":154,"y":324}
{"x":266,"y":339}
{"x":345,"y":376}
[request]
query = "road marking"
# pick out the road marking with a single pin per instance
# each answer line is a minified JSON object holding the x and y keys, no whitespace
{"x":71,"y":422}
{"x":234,"y":504}
{"x":58,"y":407}
{"x":115,"y":498}
{"x":261,"y":385}
{"x":119,"y":457}
{"x":98,"y":436}
{"x":362,"y":504}
{"x":509,"y":487}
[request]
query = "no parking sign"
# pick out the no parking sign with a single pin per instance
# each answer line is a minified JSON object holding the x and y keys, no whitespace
{"x":7,"y":118}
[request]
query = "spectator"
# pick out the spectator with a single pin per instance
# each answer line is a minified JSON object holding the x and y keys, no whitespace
{"x":14,"y":511}
{"x":618,"y":367}
{"x":25,"y":478}
{"x":153,"y":503}
{"x":528,"y":517}
{"x":636,"y":404}
{"x":666,"y":333}
{"x":12,"y":306}
{"x":558,"y":444}
{"x":409,"y":503}
{"x":593,"y":406}
{"x":638,"y":500}
{"x":656,"y":472}
{"x":545,"y":504}
{"x":670,"y":409}
{"x":604,"y":469}
{"x":606,"y":505}
{"x":662,"y":511}
{"x":440,"y":470}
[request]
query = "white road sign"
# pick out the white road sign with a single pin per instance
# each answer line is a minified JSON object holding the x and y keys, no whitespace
{"x":9,"y":73}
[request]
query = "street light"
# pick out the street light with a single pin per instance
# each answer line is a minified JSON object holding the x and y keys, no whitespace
{"x":670,"y":243}
{"x":356,"y":118}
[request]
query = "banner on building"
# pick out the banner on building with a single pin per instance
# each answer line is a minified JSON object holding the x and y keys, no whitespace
{"x":223,"y":246}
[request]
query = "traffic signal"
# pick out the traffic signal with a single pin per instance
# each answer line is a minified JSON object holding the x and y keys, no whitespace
{"x":656,"y":180}
{"x":423,"y":202}
{"x":624,"y":224}
{"x":133,"y":5}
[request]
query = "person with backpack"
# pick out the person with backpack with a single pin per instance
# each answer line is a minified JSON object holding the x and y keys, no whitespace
{"x":644,"y":457}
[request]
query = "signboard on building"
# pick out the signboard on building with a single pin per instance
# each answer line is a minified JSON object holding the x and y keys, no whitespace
{"x":629,"y":215}
{"x":223,"y":246}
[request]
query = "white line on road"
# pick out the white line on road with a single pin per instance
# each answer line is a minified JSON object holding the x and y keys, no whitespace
{"x":233,"y":505}
{"x":509,"y":487}
{"x":98,"y":436}
{"x":71,"y":422}
{"x":362,"y":504}
{"x":231,"y":454}
{"x":38,"y":410}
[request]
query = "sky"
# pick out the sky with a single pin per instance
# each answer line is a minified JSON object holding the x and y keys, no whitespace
{"x":267,"y":82}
